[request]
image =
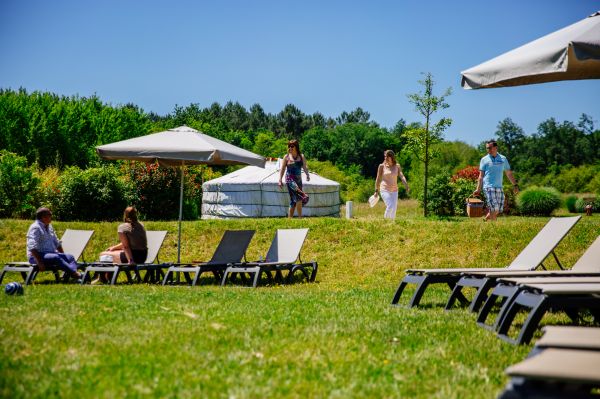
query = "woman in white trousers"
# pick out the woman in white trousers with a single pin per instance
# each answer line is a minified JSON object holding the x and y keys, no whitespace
{"x":386,"y":184}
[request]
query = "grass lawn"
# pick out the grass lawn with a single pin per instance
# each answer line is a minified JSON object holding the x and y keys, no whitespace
{"x":338,"y":337}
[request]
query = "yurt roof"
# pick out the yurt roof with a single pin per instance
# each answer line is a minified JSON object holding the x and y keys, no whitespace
{"x":268,"y":174}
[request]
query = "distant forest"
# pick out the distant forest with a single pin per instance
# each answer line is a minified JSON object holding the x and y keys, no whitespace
{"x":60,"y":131}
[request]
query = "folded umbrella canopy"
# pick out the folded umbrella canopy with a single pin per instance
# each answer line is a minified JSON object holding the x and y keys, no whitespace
{"x":571,"y":53}
{"x":179,"y":147}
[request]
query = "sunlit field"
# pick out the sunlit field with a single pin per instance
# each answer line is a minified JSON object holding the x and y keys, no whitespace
{"x":338,"y":337}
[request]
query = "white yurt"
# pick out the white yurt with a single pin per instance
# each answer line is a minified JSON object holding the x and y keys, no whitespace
{"x":252,"y":192}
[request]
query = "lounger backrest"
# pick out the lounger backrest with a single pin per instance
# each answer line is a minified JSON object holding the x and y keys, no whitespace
{"x":155,"y":240}
{"x":232,"y":247}
{"x":590,"y":260}
{"x":75,"y":241}
{"x":543,"y":243}
{"x":286,"y":245}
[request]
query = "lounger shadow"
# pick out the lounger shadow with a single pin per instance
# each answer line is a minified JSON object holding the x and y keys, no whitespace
{"x":73,"y":242}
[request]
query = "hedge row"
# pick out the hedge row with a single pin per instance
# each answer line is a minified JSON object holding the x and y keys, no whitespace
{"x":448,"y":195}
{"x":100,"y":193}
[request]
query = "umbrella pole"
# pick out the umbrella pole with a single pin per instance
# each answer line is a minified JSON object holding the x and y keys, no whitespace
{"x":180,"y":217}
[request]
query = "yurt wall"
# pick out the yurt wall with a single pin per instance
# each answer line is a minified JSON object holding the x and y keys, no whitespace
{"x":254,"y":192}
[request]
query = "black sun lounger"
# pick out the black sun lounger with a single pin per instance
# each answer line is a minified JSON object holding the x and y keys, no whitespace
{"x":587,"y":265}
{"x":531,"y":257}
{"x":283,"y":255}
{"x":568,"y":337}
{"x":231,"y":249}
{"x":506,"y":285}
{"x":567,"y":378}
{"x":155,"y":240}
{"x":571,"y":298}
{"x":507,"y":290}
{"x":73,"y":242}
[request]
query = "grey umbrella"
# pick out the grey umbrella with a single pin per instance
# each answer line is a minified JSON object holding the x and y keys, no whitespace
{"x":568,"y":54}
{"x":179,"y":147}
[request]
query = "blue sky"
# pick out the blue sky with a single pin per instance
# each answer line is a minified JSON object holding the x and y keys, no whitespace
{"x":326,"y":56}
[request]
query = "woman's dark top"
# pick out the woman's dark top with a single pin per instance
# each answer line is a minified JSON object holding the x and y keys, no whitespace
{"x":293,"y":179}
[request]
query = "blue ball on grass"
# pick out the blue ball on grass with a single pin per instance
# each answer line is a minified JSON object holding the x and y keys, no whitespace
{"x":14,"y":288}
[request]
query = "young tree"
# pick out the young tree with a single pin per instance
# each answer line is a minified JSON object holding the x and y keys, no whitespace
{"x":510,"y":135}
{"x":421,"y":139}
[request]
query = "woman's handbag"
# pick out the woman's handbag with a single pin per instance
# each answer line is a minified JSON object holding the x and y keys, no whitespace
{"x":373,"y":200}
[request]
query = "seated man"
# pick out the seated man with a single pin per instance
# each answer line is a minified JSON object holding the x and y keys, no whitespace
{"x":44,"y":248}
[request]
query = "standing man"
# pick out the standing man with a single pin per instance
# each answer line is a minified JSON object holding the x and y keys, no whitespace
{"x":44,"y":248}
{"x":491,"y":171}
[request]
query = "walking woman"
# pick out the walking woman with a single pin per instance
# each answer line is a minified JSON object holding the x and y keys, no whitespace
{"x":292,"y":165}
{"x":386,"y":184}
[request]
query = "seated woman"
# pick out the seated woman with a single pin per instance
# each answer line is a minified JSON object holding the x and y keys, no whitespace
{"x":133,"y":245}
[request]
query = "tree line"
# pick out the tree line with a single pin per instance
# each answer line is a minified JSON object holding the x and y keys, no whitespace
{"x":554,"y":147}
{"x":60,"y":131}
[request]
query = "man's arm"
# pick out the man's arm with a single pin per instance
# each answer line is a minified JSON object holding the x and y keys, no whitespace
{"x":479,"y":182}
{"x":512,"y":179}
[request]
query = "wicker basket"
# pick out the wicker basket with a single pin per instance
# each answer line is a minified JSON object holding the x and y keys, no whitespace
{"x":474,"y":207}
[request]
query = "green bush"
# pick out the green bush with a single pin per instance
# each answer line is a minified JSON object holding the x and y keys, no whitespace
{"x":91,"y":195}
{"x":155,"y":190}
{"x":462,"y":189}
{"x":570,"y":203}
{"x":573,"y":179}
{"x":353,"y":186}
{"x":581,"y":203}
{"x":441,"y":194}
{"x":594,"y":185}
{"x":18,"y":185}
{"x":510,"y":200}
{"x":538,"y":201}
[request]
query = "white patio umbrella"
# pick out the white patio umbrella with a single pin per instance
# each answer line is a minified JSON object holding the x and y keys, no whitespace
{"x":571,"y":53}
{"x":179,"y":147}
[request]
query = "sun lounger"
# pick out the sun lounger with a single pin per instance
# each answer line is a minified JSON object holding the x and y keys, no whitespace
{"x":283,"y":256}
{"x":568,"y":337}
{"x":571,"y":298}
{"x":587,"y":265}
{"x":73,"y":242}
{"x":555,"y":373}
{"x":531,"y":257}
{"x":506,"y":285}
{"x":567,"y":378}
{"x":231,"y":249}
{"x":508,"y":289}
{"x":155,"y":240}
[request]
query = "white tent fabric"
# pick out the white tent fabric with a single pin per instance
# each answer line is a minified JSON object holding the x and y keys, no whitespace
{"x":567,"y":54}
{"x":253,"y":192}
{"x":177,"y":147}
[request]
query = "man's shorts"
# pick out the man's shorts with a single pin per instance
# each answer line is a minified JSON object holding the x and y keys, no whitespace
{"x":495,"y":199}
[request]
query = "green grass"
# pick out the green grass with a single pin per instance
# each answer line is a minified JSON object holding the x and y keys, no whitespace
{"x":336,"y":338}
